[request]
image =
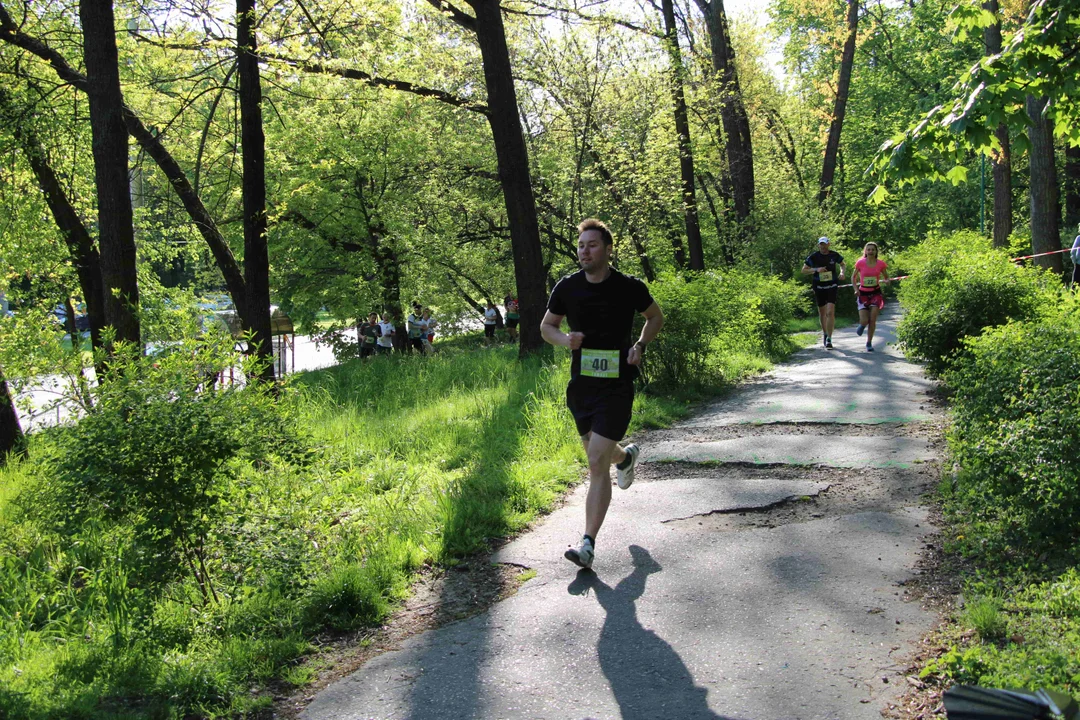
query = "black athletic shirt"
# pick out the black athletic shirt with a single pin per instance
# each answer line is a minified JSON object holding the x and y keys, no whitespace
{"x":831,"y":261}
{"x":604,"y":312}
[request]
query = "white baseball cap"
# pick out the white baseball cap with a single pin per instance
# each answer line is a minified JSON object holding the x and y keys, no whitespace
{"x":823,"y":239}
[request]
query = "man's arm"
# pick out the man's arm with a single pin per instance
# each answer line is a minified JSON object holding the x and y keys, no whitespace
{"x":552,"y":333}
{"x":654,"y":320}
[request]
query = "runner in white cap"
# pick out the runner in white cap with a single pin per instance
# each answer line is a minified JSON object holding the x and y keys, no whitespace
{"x":823,"y":264}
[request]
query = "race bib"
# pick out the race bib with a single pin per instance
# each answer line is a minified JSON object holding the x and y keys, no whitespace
{"x":600,"y":363}
{"x":869,"y":281}
{"x":824,"y":276}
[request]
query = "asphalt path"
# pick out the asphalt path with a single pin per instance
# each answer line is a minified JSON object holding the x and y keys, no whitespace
{"x":683,"y":618}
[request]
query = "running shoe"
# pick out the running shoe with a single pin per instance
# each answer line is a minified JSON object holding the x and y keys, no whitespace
{"x":859,"y":330}
{"x":869,"y":347}
{"x":625,"y":475}
{"x":825,"y":341}
{"x":582,"y":555}
{"x":828,"y":343}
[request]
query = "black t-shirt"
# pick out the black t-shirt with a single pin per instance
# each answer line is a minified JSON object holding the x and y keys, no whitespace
{"x":830,"y":261}
{"x":370,"y":332}
{"x":604,"y":312}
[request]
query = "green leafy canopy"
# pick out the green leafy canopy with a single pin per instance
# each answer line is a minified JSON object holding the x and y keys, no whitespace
{"x":1041,"y":58}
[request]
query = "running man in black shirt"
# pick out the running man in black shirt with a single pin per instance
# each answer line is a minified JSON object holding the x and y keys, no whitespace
{"x":599,"y":304}
{"x":824,"y":264}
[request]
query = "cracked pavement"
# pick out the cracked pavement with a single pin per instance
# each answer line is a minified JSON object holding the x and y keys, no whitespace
{"x":756,"y":569}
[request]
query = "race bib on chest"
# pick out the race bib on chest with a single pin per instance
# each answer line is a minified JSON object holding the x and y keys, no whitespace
{"x":824,"y":276}
{"x":869,"y":281}
{"x":600,"y":363}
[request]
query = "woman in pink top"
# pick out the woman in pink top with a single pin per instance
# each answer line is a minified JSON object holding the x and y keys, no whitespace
{"x":867,"y":280}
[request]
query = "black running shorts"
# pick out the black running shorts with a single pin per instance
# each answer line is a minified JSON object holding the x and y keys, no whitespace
{"x":511,"y":322}
{"x":825,"y":295}
{"x":604,"y":410}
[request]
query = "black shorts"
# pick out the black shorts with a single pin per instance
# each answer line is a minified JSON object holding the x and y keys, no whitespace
{"x":825,"y":296}
{"x":417,"y":343}
{"x":367,"y":350}
{"x":604,"y":410}
{"x":1076,"y":273}
{"x":511,"y":322}
{"x":383,"y":349}
{"x":489,"y":331}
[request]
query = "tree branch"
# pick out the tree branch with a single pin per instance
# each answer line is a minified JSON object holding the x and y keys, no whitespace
{"x":461,"y":18}
{"x":323,"y":68}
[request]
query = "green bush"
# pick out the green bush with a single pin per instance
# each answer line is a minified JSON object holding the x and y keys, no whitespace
{"x":1016,"y":431}
{"x":958,"y":286}
{"x":157,"y":450}
{"x":712,"y":321}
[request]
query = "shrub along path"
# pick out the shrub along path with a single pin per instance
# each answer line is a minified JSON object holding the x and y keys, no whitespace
{"x":758,"y":568}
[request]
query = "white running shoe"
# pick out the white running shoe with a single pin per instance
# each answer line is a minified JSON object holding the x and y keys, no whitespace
{"x":625,"y":476}
{"x":582,"y":555}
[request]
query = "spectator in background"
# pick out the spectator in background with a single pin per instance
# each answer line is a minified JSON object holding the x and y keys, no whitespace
{"x":512,"y":317}
{"x":489,"y":323}
{"x":415,"y":329}
{"x":369,"y":333}
{"x":429,"y":323}
{"x":385,"y":342}
{"x":1075,"y":255}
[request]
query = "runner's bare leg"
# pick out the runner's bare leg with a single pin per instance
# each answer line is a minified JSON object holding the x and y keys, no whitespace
{"x":601,"y":452}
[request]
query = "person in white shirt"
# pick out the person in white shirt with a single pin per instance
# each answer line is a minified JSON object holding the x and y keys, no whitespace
{"x":428,"y":324}
{"x":386,"y":340}
{"x":489,"y":323}
{"x":415,"y":329}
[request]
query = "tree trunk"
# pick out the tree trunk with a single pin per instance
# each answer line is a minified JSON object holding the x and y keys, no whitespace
{"x":116,"y":233}
{"x":682,"y":127}
{"x":847,"y":61}
{"x":513,"y":162}
{"x":253,"y":145}
{"x":637,"y":235}
{"x":1072,"y":188}
{"x":84,"y":256}
{"x":1002,"y":163}
{"x":1045,"y":211}
{"x":733,"y":116}
{"x":11,"y":434}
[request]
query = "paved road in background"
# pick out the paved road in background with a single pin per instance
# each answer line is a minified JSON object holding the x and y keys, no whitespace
{"x":693,"y":611}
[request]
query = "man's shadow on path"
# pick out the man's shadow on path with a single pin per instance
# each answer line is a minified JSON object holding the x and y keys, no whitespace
{"x":647,"y":676}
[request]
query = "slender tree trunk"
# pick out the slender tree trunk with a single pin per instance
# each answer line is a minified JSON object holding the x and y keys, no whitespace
{"x":637,"y":236}
{"x":682,"y":127}
{"x":1045,"y":210}
{"x":116,"y":233}
{"x":84,"y":255}
{"x":733,"y":116}
{"x":843,"y":86}
{"x":1002,"y":163}
{"x":253,"y":144}
{"x":11,"y":434}
{"x":513,"y":162}
{"x":1072,"y":188}
{"x":787,"y":148}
